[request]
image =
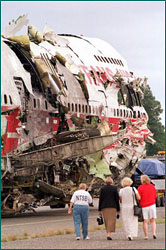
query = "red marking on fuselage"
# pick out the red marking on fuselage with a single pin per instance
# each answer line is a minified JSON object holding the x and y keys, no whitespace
{"x":12,"y":125}
{"x":108,"y":73}
{"x":55,"y":124}
{"x":8,"y":108}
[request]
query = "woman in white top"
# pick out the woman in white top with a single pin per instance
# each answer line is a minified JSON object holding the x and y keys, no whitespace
{"x":127,"y":198}
{"x":80,"y":202}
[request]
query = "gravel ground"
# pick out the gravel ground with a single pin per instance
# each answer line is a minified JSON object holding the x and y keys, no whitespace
{"x":97,"y":241}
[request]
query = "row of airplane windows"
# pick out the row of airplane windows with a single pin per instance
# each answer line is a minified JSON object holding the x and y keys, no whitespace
{"x":95,"y":110}
{"x":83,"y":108}
{"x":108,"y":60}
{"x":36,"y":102}
{"x":7,"y":99}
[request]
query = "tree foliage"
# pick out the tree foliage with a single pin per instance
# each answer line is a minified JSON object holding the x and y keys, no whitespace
{"x":153,"y":108}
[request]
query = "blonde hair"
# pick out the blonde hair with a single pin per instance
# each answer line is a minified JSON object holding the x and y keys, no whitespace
{"x":109,"y":180}
{"x":126,"y":182}
{"x":82,"y":186}
{"x":145,"y":179}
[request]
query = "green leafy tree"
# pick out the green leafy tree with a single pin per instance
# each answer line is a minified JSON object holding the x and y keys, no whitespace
{"x":153,"y":108}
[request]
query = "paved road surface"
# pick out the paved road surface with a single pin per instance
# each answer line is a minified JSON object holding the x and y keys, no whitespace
{"x":97,"y":241}
{"x":47,"y":219}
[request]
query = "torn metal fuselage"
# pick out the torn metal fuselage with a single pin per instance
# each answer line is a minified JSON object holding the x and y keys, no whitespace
{"x":71,"y":113}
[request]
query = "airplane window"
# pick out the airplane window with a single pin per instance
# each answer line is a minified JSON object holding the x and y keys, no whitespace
{"x":90,"y":109}
{"x":120,"y":113}
{"x":124,"y":113}
{"x":134,"y":114}
{"x":96,"y":58}
{"x":131,"y":114}
{"x":86,"y":109}
{"x":113,"y":60}
{"x":99,"y":58}
{"x":103,"y":59}
{"x":82,"y":108}
{"x":38,"y":103}
{"x":5,"y":99}
{"x":121,"y":63}
{"x":117,"y":112}
{"x":69,"y":106}
{"x":79,"y":108}
{"x":110,"y":60}
{"x":106,"y":59}
{"x":76,"y":107}
{"x":139,"y":114}
{"x":46,"y":105}
{"x":10,"y":99}
{"x":34,"y":103}
{"x":114,"y":112}
{"x":72,"y":107}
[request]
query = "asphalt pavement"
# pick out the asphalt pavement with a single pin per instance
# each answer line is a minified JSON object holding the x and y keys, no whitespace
{"x":97,"y":241}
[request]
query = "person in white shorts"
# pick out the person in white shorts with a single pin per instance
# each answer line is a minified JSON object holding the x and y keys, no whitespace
{"x":148,"y":196}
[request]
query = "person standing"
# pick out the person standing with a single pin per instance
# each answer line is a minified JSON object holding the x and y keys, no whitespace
{"x":127,"y":198}
{"x":80,"y":202}
{"x":109,"y":206}
{"x":148,"y":196}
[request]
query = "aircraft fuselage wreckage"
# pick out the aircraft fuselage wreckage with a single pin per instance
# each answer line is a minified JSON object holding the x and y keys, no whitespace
{"x":70,"y":112}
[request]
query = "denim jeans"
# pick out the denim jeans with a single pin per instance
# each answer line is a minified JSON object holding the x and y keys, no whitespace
{"x":80,"y":216}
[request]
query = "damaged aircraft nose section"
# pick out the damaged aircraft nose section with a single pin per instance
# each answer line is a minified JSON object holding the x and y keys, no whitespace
{"x":70,"y":112}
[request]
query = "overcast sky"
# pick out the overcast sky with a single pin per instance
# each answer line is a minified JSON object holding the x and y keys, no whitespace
{"x":136,"y":29}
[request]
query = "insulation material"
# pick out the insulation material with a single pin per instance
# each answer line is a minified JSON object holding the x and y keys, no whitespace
{"x":43,"y":71}
{"x":104,"y":128}
{"x":61,"y":58}
{"x":35,"y":34}
{"x":22,"y":40}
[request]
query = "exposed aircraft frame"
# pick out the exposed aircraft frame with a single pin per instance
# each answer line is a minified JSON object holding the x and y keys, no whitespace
{"x":70,"y":112}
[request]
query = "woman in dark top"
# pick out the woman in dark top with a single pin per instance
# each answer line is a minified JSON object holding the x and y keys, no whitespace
{"x":109,"y":206}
